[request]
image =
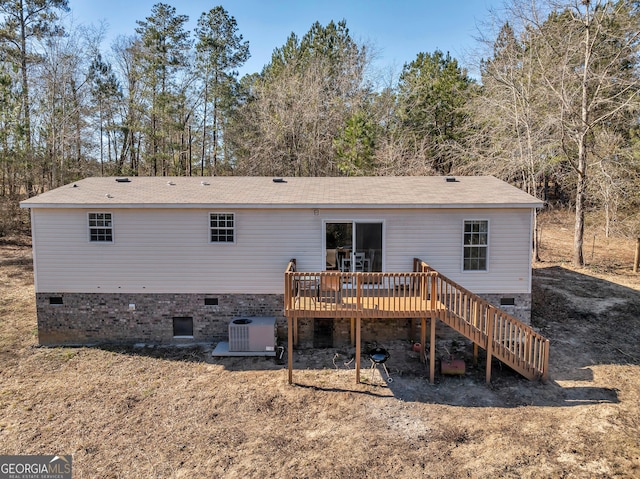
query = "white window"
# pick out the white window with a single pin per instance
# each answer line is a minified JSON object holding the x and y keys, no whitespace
{"x":222,"y":227}
{"x":476,"y":243}
{"x":101,"y":227}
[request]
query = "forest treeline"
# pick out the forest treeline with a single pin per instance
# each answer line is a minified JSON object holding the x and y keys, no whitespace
{"x":553,"y":109}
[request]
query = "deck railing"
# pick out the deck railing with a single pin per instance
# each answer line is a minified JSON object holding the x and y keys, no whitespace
{"x":335,"y":294}
{"x":500,"y":334}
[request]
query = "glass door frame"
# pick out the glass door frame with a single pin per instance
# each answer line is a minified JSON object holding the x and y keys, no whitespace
{"x":353,"y":222}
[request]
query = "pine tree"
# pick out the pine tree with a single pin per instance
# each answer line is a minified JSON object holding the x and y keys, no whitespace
{"x":432,"y":91}
{"x":220,"y":50}
{"x":165,"y":44}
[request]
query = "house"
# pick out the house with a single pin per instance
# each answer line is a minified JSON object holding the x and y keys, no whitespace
{"x":167,"y":260}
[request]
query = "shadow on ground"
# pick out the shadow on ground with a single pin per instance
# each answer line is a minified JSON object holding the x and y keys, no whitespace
{"x":589,"y":322}
{"x":333,"y":370}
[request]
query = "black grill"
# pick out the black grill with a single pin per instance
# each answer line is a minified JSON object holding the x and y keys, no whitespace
{"x":379,"y":356}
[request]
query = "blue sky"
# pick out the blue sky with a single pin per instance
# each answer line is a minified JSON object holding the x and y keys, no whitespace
{"x":398,"y":30}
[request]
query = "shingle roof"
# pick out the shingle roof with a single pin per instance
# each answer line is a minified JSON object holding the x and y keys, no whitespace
{"x":266,"y":192}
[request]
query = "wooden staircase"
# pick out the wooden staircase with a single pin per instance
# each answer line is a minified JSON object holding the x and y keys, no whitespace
{"x":503,"y":336}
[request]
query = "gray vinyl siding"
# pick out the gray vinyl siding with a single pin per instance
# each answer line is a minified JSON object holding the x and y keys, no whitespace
{"x":168,"y":250}
{"x":436,"y":236}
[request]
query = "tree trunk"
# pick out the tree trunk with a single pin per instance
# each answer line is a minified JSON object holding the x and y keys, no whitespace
{"x":26,"y":104}
{"x":101,"y":140}
{"x":215,"y":130}
{"x":578,"y":237}
{"x":578,"y":258}
{"x":204,"y":126}
{"x":190,"y":158}
{"x":536,"y":238}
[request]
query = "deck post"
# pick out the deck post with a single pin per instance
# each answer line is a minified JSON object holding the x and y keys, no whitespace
{"x":295,"y":330}
{"x":433,"y":291}
{"x":545,"y":361}
{"x":490,"y":320}
{"x":290,"y":347}
{"x":352,"y":335}
{"x":475,"y":318}
{"x":432,"y":351}
{"x":423,"y":340}
{"x":358,"y":325}
{"x":358,"y":338}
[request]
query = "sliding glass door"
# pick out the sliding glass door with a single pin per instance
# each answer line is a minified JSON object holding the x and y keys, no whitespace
{"x":353,"y":246}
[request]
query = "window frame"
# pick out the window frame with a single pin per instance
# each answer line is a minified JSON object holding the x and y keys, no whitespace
{"x":90,"y":228}
{"x":233,"y":228}
{"x":353,"y":222}
{"x":476,"y":246}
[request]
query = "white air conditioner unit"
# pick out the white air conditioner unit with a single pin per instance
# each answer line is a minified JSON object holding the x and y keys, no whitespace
{"x":252,"y":335}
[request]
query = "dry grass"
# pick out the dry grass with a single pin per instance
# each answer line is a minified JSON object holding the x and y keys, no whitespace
{"x":179,"y":413}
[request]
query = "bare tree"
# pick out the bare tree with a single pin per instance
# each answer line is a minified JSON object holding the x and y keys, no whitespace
{"x":61,"y":111}
{"x":614,"y":175}
{"x":587,"y":54}
{"x":125,"y":51}
{"x":508,"y":132}
{"x":23,"y":22}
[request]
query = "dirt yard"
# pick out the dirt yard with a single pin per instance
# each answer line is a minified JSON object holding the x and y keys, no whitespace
{"x":179,"y":413}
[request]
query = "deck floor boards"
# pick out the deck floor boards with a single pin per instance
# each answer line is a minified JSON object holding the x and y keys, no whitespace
{"x":369,"y":307}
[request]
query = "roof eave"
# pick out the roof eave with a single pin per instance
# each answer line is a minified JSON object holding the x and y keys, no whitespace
{"x":26,"y":204}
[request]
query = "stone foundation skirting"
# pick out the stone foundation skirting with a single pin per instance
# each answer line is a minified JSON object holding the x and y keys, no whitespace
{"x":516,"y":304}
{"x":119,"y":318}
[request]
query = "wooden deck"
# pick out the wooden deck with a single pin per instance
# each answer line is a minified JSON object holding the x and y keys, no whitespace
{"x":423,"y":293}
{"x":376,"y":307}
{"x":367,"y":295}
